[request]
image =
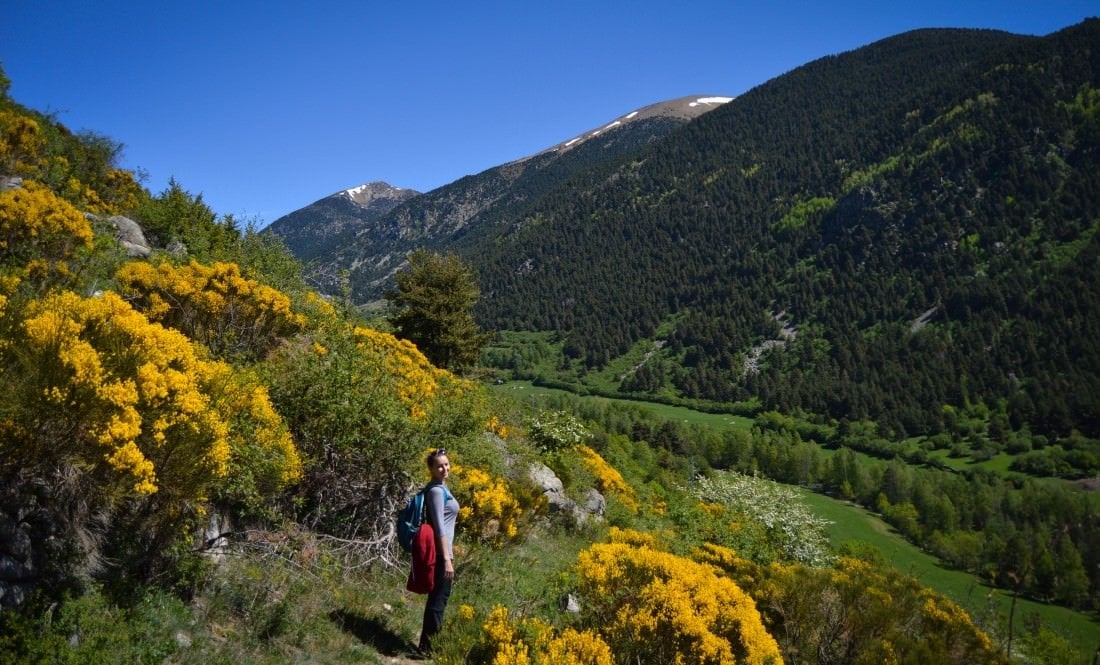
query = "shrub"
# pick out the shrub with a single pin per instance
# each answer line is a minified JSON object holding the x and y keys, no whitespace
{"x":507,"y":642}
{"x":116,"y":428}
{"x":36,"y":224}
{"x":554,"y":431}
{"x":791,"y":527}
{"x":651,"y":606}
{"x":235,"y":317}
{"x":362,"y":405}
{"x":858,"y":612}
{"x":490,"y":512}
{"x":608,"y":479}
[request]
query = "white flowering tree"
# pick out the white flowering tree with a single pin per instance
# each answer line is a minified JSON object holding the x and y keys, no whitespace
{"x":792,"y":527}
{"x":554,"y":431}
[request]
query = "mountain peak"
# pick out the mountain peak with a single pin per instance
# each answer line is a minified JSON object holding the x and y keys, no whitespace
{"x":370,"y":192}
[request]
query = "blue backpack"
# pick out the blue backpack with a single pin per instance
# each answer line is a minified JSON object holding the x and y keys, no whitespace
{"x":411,"y":516}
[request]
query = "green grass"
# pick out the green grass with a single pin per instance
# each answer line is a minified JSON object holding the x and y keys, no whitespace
{"x":989,"y":607}
{"x":680,"y":414}
{"x":999,"y":463}
{"x":854,"y":524}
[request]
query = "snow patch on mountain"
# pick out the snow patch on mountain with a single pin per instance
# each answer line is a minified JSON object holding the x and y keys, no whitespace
{"x":711,"y":100}
{"x":684,"y":107}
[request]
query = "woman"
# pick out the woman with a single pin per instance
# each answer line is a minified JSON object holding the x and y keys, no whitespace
{"x":442,"y":511}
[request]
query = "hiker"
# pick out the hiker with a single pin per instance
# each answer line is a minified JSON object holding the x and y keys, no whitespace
{"x":441,"y":511}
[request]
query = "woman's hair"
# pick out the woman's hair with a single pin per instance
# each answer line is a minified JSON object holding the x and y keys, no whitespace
{"x":434,"y":455}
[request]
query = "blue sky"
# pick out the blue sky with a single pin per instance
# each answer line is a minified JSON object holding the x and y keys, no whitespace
{"x":265,"y":107}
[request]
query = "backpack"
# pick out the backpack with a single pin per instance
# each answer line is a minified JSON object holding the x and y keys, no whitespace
{"x":411,"y":516}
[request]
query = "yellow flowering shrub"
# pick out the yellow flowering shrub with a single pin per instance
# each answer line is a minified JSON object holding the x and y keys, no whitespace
{"x":21,"y":143}
{"x":213,"y":304}
{"x":418,"y":381}
{"x":533,"y":642}
{"x":35,"y":223}
{"x":489,"y":509}
{"x":263,"y":457}
{"x":608,"y":479}
{"x":142,"y":407}
{"x":652,"y":606}
{"x":859,"y":612}
{"x":361,"y":407}
{"x":498,"y":427}
{"x":136,"y":390}
{"x":633,"y":537}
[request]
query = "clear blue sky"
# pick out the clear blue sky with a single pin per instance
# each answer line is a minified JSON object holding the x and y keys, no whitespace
{"x":265,"y":107}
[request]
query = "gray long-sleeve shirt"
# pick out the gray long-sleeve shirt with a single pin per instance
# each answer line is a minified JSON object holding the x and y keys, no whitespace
{"x":443,"y":515}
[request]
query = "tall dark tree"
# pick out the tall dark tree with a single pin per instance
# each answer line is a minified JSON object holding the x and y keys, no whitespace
{"x":433,"y":308}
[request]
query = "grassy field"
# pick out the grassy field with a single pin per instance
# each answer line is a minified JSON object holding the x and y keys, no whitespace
{"x":852,"y":523}
{"x":718,"y":421}
{"x":989,"y":607}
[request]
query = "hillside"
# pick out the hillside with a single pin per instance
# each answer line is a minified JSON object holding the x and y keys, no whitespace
{"x":325,"y":225}
{"x":897,"y":233}
{"x":373,"y":246}
{"x":922,"y":212}
{"x":201,"y":460}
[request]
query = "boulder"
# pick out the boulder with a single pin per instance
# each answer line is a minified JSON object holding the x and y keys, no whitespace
{"x":559,"y":503}
{"x":131,"y":236}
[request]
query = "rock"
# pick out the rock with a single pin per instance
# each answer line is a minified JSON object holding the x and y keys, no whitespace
{"x":14,"y":540}
{"x":13,"y":571}
{"x":570,"y":604}
{"x":128,"y":233}
{"x":177,"y":249}
{"x":131,"y":236}
{"x":595,"y":503}
{"x":10,"y":182}
{"x":552,"y":488}
{"x":558,"y":503}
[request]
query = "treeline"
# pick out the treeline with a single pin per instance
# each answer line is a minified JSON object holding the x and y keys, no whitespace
{"x":921,"y":211}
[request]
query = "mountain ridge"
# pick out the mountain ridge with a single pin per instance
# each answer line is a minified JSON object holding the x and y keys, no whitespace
{"x":375,"y":245}
{"x":933,"y":171}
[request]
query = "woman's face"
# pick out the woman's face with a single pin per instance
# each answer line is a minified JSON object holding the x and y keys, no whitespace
{"x":440,"y":468}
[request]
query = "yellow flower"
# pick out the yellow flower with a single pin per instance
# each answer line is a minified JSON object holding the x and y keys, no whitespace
{"x":670,"y":608}
{"x":608,"y":479}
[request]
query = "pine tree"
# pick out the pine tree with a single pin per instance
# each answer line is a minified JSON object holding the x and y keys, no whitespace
{"x":433,"y":308}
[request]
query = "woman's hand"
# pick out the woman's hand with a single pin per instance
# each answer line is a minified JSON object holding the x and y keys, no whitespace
{"x":449,"y":569}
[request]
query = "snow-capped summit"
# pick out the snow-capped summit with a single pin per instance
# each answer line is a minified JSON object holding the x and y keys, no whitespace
{"x":367,"y":193}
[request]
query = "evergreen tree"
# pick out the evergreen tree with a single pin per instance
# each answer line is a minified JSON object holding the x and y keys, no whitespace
{"x":433,"y":308}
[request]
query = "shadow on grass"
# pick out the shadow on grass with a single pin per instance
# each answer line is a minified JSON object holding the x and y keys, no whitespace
{"x":369,"y":630}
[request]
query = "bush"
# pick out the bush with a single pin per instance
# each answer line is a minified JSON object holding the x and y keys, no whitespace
{"x":235,"y":317}
{"x":115,"y":430}
{"x":651,"y":606}
{"x":362,"y":405}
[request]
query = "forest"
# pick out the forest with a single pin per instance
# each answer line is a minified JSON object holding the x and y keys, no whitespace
{"x":919,"y":213}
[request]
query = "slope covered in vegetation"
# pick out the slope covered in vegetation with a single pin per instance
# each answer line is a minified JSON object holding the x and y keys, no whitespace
{"x":874,"y":235}
{"x":201,"y":461}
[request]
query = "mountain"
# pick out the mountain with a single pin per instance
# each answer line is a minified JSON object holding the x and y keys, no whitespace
{"x":319,"y":228}
{"x":905,"y":233}
{"x":372,"y":243}
{"x":900,"y":233}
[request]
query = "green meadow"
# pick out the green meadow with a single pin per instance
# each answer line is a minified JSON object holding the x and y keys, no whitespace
{"x":853,"y":525}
